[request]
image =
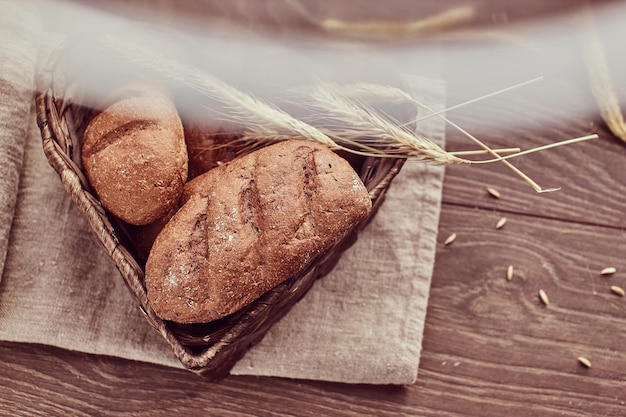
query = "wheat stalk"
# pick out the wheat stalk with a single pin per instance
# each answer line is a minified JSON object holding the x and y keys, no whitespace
{"x":358,"y":127}
{"x":499,"y":151}
{"x":360,"y":90}
{"x":259,"y":118}
{"x":264,"y":122}
{"x":533,"y":150}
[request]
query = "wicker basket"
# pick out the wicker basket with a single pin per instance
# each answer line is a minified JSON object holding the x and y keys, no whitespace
{"x":207,"y":349}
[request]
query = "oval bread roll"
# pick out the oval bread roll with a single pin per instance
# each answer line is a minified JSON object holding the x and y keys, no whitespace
{"x":134,"y":155}
{"x":249,"y":225}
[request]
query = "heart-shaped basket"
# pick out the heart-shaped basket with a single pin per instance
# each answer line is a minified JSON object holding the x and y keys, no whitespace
{"x":209,"y":349}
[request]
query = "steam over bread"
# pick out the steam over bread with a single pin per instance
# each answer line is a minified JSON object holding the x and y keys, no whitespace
{"x":134,"y":155}
{"x":249,"y":225}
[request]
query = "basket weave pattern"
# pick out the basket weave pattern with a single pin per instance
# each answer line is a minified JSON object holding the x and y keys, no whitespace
{"x":209,"y":349}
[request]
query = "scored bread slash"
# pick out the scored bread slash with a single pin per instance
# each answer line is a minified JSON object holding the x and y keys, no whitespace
{"x":501,"y":223}
{"x":608,"y":271}
{"x":584,"y":361}
{"x":194,"y":273}
{"x":618,"y":290}
{"x":509,"y":273}
{"x":544,"y":297}
{"x":450,"y":239}
{"x":493,"y":192}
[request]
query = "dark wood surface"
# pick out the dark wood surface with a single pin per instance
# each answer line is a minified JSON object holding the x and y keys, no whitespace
{"x":491,"y":347}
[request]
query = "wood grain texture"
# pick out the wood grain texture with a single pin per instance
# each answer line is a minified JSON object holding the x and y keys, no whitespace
{"x":496,"y":334}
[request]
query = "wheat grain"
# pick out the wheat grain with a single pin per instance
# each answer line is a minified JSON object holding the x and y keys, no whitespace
{"x":450,"y":239}
{"x":504,"y":160}
{"x":544,"y":297}
{"x":618,"y":290}
{"x":608,"y":271}
{"x":493,"y":192}
{"x":501,"y":223}
{"x":392,"y":94}
{"x":584,"y":361}
{"x":509,"y":273}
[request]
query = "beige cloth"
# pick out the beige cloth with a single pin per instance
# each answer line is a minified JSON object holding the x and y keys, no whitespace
{"x":362,"y":323}
{"x":19,"y":29}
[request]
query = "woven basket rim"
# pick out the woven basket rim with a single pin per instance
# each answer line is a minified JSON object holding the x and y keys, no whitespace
{"x":58,"y":145}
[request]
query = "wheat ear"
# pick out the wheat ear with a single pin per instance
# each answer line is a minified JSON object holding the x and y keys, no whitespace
{"x":256,"y":116}
{"x":361,"y":89}
{"x":358,"y":125}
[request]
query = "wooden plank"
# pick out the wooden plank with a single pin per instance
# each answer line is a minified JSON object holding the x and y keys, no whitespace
{"x":493,"y":346}
{"x":37,"y":380}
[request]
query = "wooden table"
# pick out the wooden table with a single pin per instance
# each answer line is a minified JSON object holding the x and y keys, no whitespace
{"x":491,"y":347}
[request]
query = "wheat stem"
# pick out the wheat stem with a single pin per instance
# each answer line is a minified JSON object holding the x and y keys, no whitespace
{"x":513,"y":168}
{"x":537,"y":149}
{"x":504,"y":159}
{"x":395,"y":94}
{"x":474,"y":100}
{"x":483,"y":151}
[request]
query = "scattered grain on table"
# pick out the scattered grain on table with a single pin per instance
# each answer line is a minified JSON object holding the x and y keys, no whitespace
{"x":609,"y":270}
{"x":584,"y":361}
{"x":544,"y":297}
{"x":493,"y":192}
{"x":501,"y":223}
{"x":509,"y":273}
{"x":618,"y":290}
{"x":450,"y":239}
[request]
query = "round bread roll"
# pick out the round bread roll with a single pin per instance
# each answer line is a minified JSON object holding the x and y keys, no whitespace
{"x":134,"y":155}
{"x":249,"y":225}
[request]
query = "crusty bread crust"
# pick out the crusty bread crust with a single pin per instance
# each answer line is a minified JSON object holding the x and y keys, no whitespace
{"x":249,"y":225}
{"x":135,"y":158}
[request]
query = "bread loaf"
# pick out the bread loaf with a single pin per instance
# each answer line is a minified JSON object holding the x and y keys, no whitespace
{"x":134,"y":155}
{"x":247,"y":226}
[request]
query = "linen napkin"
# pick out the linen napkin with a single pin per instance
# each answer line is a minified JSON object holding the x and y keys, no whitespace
{"x":19,"y":32}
